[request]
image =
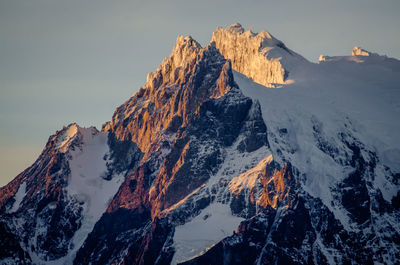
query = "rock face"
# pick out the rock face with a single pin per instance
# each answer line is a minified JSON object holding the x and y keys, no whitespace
{"x":204,"y":166}
{"x":52,"y":205}
{"x":357,"y":51}
{"x":189,"y":109}
{"x":259,"y":56}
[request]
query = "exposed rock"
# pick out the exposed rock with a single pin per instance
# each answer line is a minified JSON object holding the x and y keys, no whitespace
{"x":189,"y":155}
{"x":190,"y":108}
{"x":259,"y":56}
{"x":10,"y":248}
{"x":357,"y":51}
{"x":61,"y":200}
{"x":113,"y":236}
{"x":171,"y":95}
{"x":184,"y":119}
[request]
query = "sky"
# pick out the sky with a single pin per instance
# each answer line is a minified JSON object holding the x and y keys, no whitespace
{"x":76,"y":61}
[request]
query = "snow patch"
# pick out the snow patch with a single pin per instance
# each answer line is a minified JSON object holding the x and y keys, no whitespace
{"x":86,"y":186}
{"x":391,"y":158}
{"x":19,"y":196}
{"x":247,"y":180}
{"x":208,"y":228}
{"x":388,"y":189}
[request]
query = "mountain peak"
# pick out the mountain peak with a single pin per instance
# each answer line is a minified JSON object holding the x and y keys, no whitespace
{"x":201,"y":150}
{"x":357,"y":51}
{"x":266,"y":35}
{"x":69,"y":134}
{"x":184,"y":52}
{"x":186,"y":41}
{"x":235,"y":28}
{"x":185,"y":79}
{"x":259,"y":56}
{"x":66,"y":136}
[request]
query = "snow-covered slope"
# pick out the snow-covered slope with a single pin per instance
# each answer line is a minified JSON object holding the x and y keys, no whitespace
{"x":208,"y":228}
{"x":241,"y":152}
{"x":62,"y":195}
{"x":87,"y":184}
{"x":342,"y":96}
{"x":337,"y":124}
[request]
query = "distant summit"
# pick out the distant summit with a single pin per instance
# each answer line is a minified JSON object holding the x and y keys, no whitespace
{"x":260,"y":56}
{"x":357,"y":51}
{"x":236,"y":27}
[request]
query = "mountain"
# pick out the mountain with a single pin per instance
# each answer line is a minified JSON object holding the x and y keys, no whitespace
{"x":240,"y":152}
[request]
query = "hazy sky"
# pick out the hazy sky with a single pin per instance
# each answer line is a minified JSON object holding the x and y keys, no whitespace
{"x":76,"y":61}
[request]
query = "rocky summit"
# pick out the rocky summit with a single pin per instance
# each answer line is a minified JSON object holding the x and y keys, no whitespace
{"x":239,"y":152}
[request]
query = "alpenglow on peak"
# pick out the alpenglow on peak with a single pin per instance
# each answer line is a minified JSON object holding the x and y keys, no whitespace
{"x":259,"y":56}
{"x":204,"y":166}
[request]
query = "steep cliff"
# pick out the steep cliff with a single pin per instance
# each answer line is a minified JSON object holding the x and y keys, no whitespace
{"x":188,"y":120}
{"x":259,"y":56}
{"x":209,"y":163}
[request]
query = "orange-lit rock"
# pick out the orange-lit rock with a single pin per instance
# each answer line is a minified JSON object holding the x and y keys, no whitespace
{"x":278,"y":187}
{"x":177,"y":99}
{"x":259,"y":56}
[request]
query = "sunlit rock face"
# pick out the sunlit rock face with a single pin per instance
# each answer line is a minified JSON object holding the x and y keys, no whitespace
{"x":204,"y":166}
{"x":259,"y":56}
{"x":170,"y":119}
{"x":357,"y":51}
{"x":189,"y":121}
{"x":172,"y":94}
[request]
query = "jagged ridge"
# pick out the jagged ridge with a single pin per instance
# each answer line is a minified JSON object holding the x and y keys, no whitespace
{"x":259,"y":56}
{"x":190,"y":149}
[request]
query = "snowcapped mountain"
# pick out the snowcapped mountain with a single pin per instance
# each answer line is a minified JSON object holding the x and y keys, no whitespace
{"x":241,"y":152}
